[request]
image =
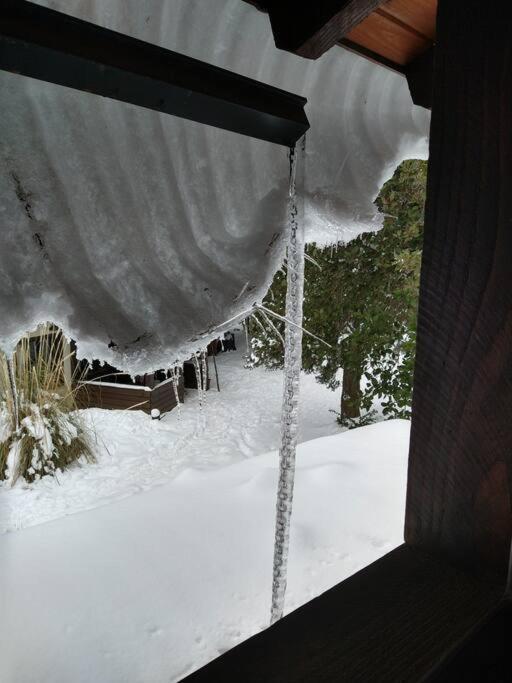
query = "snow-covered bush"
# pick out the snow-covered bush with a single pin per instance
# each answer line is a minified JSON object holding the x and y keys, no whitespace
{"x":41,"y":431}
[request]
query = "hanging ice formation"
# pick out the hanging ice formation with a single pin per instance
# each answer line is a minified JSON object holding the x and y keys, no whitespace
{"x":216,"y":372}
{"x":198,"y":379}
{"x":204,"y":372}
{"x":200,"y":364}
{"x":245,"y":325}
{"x":272,"y":326}
{"x":290,"y":404}
{"x":175,"y":385}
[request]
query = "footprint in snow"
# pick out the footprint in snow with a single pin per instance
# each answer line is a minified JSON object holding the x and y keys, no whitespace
{"x":154,"y":631}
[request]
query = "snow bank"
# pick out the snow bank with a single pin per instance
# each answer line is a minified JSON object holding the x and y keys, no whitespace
{"x":155,"y":586}
{"x":122,"y":224}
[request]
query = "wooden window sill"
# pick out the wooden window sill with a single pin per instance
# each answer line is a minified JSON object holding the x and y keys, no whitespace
{"x":399,"y":619}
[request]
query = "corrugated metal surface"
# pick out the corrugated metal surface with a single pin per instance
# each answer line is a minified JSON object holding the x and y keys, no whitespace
{"x":123,"y":224}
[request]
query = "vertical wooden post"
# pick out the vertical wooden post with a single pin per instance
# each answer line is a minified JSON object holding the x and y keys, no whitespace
{"x":460,"y":463}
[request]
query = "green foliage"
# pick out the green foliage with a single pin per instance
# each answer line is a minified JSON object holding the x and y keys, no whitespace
{"x":362,"y":299}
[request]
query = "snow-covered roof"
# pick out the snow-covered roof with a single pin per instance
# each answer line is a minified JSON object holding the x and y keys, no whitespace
{"x":120,"y":223}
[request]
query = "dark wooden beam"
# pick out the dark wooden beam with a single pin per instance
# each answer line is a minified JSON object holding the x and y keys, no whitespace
{"x":484,"y":657}
{"x":396,"y":620}
{"x":41,"y":43}
{"x":420,"y":75}
{"x":460,"y":462}
{"x":311,"y":28}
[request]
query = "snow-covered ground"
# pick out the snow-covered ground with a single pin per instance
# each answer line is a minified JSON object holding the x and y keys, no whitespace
{"x":151,"y":587}
{"x":148,"y":588}
{"x":136,"y":453}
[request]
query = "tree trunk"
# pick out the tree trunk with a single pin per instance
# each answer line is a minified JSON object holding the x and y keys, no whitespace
{"x":351,"y":393}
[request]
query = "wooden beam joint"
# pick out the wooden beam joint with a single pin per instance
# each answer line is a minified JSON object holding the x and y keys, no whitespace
{"x":310,"y":29}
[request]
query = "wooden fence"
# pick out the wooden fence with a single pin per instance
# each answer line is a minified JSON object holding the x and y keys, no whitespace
{"x":129,"y":397}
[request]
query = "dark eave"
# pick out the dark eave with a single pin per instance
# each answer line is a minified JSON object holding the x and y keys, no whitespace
{"x":393,"y":33}
{"x":309,"y":29}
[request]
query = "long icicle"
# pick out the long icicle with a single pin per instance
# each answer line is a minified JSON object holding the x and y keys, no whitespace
{"x":285,"y":319}
{"x":175,"y":376}
{"x":204,"y":373}
{"x":199,"y":380}
{"x":248,"y":349}
{"x":272,"y":326}
{"x":258,"y":323}
{"x":216,"y":372}
{"x":290,"y":404}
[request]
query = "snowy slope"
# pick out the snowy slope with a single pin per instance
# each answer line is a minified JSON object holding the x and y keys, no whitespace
{"x":119,"y":223}
{"x":152,"y":587}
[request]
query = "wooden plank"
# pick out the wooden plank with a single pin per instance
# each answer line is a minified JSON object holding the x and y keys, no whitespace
{"x":129,"y":394}
{"x":92,"y":395}
{"x":393,"y":41}
{"x":371,"y":56}
{"x":115,"y":403}
{"x":460,"y":462}
{"x":107,"y":397}
{"x":485,"y":656}
{"x":163,"y":398}
{"x":51,"y":46}
{"x":419,"y":15}
{"x":396,"y":620}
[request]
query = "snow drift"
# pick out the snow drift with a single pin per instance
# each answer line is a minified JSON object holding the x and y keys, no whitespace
{"x":122,"y":224}
{"x":152,"y":587}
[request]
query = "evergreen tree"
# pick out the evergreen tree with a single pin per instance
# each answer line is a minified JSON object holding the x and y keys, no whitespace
{"x":361,"y":297}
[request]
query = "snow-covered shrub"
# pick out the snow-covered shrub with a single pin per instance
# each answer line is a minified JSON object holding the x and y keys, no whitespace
{"x":41,"y":431}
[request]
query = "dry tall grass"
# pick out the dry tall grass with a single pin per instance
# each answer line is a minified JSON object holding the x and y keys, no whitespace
{"x":41,"y":431}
